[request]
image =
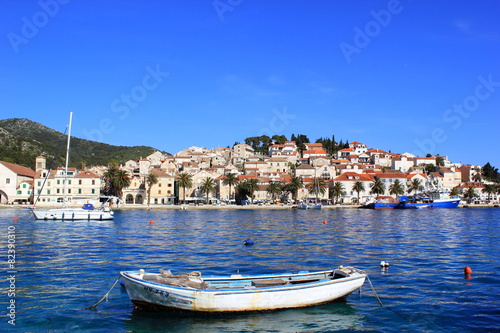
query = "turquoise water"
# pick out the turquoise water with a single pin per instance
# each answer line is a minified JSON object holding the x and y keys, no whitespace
{"x":63,"y":267}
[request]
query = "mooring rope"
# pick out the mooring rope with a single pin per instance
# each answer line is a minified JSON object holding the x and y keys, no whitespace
{"x":374,"y":292}
{"x":105,"y":297}
{"x":385,"y":306}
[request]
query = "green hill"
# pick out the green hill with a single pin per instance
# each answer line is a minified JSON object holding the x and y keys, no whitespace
{"x":21,"y":140}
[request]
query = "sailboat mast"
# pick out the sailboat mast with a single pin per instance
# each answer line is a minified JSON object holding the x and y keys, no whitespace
{"x":67,"y":156}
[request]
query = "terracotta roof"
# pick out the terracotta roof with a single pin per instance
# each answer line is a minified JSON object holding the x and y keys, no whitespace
{"x":19,"y":170}
{"x":305,"y":166}
{"x":87,"y":173}
{"x":353,"y":176}
{"x":244,"y":177}
{"x":372,"y":150}
{"x":391,"y":175}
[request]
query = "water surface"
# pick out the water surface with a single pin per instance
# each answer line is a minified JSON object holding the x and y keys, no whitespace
{"x":64,"y":267}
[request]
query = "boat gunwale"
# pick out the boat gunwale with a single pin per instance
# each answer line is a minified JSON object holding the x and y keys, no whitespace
{"x":241,"y":289}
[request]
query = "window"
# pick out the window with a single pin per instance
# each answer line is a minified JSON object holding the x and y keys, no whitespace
{"x":79,"y":191}
{"x":19,"y":192}
{"x":24,"y":185}
{"x":7,"y":181}
{"x":58,"y":182}
{"x":80,"y":182}
{"x":93,"y":181}
{"x":93,"y":191}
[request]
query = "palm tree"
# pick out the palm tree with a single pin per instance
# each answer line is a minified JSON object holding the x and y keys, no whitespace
{"x":230,"y":180}
{"x":454,"y":191}
{"x":207,"y":186}
{"x":317,"y":186}
{"x":477,"y":176}
{"x":185,"y":180}
{"x":294,"y":186}
{"x":115,"y":180}
{"x":251,"y":186}
{"x":396,"y":188}
{"x":489,"y":189}
{"x":358,"y":187}
{"x":336,"y":191}
{"x":415,"y":185}
{"x":274,"y":189}
{"x":470,"y":194}
{"x":377,"y":186}
{"x":151,"y":179}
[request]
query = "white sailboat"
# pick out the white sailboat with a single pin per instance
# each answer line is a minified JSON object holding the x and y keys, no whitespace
{"x":86,"y":212}
{"x":311,"y":205}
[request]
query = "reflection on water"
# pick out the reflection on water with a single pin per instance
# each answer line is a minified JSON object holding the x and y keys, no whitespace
{"x":324,"y":318}
{"x":63,"y":267}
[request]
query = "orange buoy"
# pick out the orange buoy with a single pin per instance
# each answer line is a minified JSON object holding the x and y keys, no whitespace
{"x":15,"y":219}
{"x":325,"y":222}
{"x":467,"y":270}
{"x":151,"y":222}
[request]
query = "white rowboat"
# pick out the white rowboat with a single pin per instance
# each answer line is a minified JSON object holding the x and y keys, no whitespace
{"x":239,"y":293}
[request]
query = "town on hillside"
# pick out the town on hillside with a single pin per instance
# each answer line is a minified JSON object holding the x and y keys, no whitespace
{"x":286,"y":175}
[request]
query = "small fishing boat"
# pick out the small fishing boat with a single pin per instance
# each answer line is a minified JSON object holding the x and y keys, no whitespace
{"x":239,"y":293}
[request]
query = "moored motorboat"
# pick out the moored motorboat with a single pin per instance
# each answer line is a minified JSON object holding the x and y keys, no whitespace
{"x":433,"y":200}
{"x":312,"y":205}
{"x":239,"y":293}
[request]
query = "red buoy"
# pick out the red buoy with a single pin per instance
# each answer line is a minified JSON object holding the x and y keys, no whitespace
{"x":151,"y":222}
{"x":467,"y":270}
{"x":15,"y":219}
{"x":325,"y":222}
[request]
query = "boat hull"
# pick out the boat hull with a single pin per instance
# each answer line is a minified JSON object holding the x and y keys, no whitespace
{"x":382,"y":205}
{"x":72,"y":214}
{"x":310,"y":206}
{"x":241,"y":296}
{"x":435,"y":204}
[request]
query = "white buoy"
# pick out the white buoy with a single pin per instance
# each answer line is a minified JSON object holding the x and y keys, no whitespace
{"x":384,"y":264}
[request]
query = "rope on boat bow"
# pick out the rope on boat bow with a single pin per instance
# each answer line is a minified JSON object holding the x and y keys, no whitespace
{"x":105,"y":297}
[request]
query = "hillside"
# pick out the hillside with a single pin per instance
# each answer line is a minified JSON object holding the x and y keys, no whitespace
{"x":21,"y":140}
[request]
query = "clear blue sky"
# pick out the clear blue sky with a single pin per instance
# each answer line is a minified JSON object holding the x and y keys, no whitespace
{"x":403,"y":76}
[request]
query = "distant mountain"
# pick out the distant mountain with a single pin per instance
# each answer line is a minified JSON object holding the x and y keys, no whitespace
{"x":21,"y":140}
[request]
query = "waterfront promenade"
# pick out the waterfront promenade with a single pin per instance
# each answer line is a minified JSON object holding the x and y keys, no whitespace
{"x":238,"y":207}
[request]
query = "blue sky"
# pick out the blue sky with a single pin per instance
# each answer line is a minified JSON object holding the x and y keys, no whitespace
{"x":403,"y":76}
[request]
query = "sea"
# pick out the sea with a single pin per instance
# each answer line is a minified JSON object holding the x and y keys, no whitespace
{"x":52,"y":270}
